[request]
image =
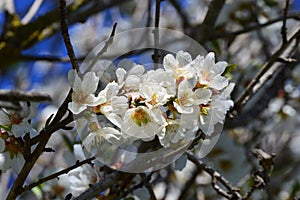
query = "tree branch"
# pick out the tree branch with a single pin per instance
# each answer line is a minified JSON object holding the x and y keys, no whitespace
{"x":95,"y":189}
{"x":156,"y":55}
{"x":250,"y":28}
{"x":16,"y":95}
{"x":216,"y":177}
{"x":55,"y":175}
{"x":283,"y":28}
{"x":262,"y":76}
{"x":108,"y":42}
{"x":206,"y":28}
{"x":65,"y":34}
{"x":17,"y":188}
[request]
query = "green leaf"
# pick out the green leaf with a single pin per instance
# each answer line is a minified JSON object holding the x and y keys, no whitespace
{"x":216,"y":46}
{"x":5,"y":127}
{"x":229,"y":69}
{"x":68,"y":141}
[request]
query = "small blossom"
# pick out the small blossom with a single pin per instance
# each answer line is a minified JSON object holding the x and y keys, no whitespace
{"x":209,"y":73}
{"x":185,"y":98}
{"x":143,"y":123}
{"x":98,"y":135}
{"x":17,"y":121}
{"x":115,"y":106}
{"x":83,"y":90}
{"x":129,"y":75}
{"x":217,"y":110}
{"x":179,"y":66}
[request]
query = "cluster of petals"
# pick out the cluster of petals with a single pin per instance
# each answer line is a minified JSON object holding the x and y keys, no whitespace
{"x":170,"y":103}
{"x":13,"y":127}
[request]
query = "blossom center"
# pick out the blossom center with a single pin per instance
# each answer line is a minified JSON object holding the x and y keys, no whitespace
{"x":13,"y":147}
{"x":140,"y":117}
{"x":15,"y":118}
{"x":183,"y":99}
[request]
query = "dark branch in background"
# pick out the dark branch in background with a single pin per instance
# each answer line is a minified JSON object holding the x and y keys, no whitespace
{"x":104,"y":49}
{"x":257,"y":83}
{"x":17,"y":188}
{"x":43,"y":27}
{"x":205,"y":29}
{"x":44,"y":135}
{"x":156,"y":55}
{"x":188,"y":184}
{"x":259,"y":177}
{"x":283,"y":28}
{"x":99,"y":187}
{"x":55,"y":175}
{"x":181,"y":13}
{"x":65,"y":34}
{"x":32,"y":11}
{"x":48,"y":58}
{"x":216,"y":177}
{"x":295,"y":16}
{"x":145,"y":182}
{"x":255,"y":10}
{"x":149,"y":6}
{"x":16,"y":95}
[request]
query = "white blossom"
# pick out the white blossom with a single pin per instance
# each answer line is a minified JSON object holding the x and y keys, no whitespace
{"x":217,"y":111}
{"x":115,"y":106}
{"x":209,"y":73}
{"x":179,"y":66}
{"x":129,"y":75}
{"x":185,"y":98}
{"x":143,"y":123}
{"x":17,"y":121}
{"x":83,"y":90}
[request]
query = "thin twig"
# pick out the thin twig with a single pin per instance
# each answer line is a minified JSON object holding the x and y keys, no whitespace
{"x":283,"y":28}
{"x":181,"y":13}
{"x":295,"y":16}
{"x":99,"y":187}
{"x":148,"y":23}
{"x":145,"y":182}
{"x":32,"y":11}
{"x":65,"y":34}
{"x":206,"y":28}
{"x":55,"y":175}
{"x":104,"y":49}
{"x":17,"y":188}
{"x":9,"y":6}
{"x":263,"y":40}
{"x":257,"y":83}
{"x":188,"y":184}
{"x":16,"y":95}
{"x":156,"y":34}
{"x":216,"y":177}
{"x":48,"y":58}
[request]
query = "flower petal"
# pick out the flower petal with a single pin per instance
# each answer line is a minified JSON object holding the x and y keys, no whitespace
{"x":183,"y":58}
{"x":4,"y":119}
{"x":20,"y":129}
{"x":77,"y":83}
{"x":209,"y":60}
{"x":120,"y":72}
{"x":170,"y":62}
{"x":2,"y":145}
{"x":218,"y":82}
{"x":76,"y":108}
{"x":89,"y":83}
{"x":202,"y":96}
{"x":91,"y":100}
{"x":220,"y":67}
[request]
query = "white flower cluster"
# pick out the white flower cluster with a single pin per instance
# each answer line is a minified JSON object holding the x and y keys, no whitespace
{"x":171,"y":103}
{"x":14,"y":125}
